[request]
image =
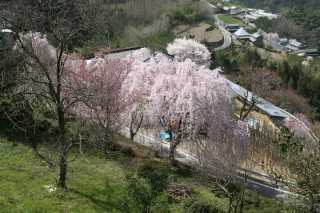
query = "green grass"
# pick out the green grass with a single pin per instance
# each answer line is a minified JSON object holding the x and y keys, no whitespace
{"x":95,"y":180}
{"x":158,"y":42}
{"x":293,"y":59}
{"x":230,"y":20}
{"x":23,"y":176}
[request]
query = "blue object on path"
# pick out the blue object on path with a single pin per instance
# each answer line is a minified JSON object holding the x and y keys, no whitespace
{"x":165,"y":135}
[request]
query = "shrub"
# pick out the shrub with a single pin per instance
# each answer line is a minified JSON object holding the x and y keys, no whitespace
{"x":157,"y":154}
{"x":127,"y":151}
{"x":220,"y":194}
{"x":178,"y":15}
{"x":200,"y":206}
{"x":155,"y":174}
{"x":174,"y":162}
{"x":185,"y":170}
{"x":210,"y":28}
{"x":142,"y":192}
{"x":114,"y":146}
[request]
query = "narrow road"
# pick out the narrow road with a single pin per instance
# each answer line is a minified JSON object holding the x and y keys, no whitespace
{"x":225,"y":33}
{"x":257,"y":185}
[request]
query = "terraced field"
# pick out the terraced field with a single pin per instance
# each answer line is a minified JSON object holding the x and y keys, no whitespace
{"x":200,"y":33}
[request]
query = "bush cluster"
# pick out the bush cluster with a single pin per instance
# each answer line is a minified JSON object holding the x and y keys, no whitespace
{"x":200,"y":206}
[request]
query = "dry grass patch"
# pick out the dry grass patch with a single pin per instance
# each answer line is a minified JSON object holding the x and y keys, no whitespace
{"x":271,"y":55}
{"x":200,"y":33}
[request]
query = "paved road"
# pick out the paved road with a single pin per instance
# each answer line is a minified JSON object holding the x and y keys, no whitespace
{"x":261,"y":187}
{"x":225,"y":33}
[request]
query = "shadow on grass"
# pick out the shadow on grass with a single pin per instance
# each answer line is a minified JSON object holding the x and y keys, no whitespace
{"x":51,"y":165}
{"x":9,"y":132}
{"x":104,"y":205}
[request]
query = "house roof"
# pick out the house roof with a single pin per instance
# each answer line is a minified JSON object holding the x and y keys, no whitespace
{"x":233,"y":7}
{"x":295,"y":43}
{"x":232,"y":25}
{"x":241,"y":33}
{"x":291,"y":47}
{"x":283,"y":40}
{"x":170,"y":57}
{"x":259,"y":102}
{"x":117,"y":53}
{"x":307,"y":51}
{"x":252,"y":39}
{"x":256,"y":35}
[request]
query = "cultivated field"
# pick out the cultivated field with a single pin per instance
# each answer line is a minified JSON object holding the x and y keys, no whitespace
{"x":200,"y":33}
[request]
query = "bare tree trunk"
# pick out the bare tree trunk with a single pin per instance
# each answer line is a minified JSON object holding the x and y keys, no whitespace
{"x":134,"y":130}
{"x":63,"y":167}
{"x":63,"y":158}
{"x":244,"y":114}
{"x":172,"y":144}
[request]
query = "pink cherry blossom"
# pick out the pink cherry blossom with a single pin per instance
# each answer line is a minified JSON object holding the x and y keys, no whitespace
{"x":273,"y":37}
{"x":183,"y":48}
{"x":305,"y":63}
{"x":178,"y":97}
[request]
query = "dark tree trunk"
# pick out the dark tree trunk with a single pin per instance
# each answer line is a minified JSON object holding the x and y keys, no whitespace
{"x":173,"y":146}
{"x":63,"y":168}
{"x":174,"y":142}
{"x":63,"y":158}
{"x":133,"y":129}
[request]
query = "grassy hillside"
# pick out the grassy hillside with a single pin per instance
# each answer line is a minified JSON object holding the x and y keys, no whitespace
{"x":96,"y":181}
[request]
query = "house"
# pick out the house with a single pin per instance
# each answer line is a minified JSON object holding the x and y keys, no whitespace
{"x":252,"y":14}
{"x":241,"y":34}
{"x":233,"y":10}
{"x":295,"y":45}
{"x":307,"y":52}
{"x":283,"y":41}
{"x":256,"y":39}
{"x":247,"y":29}
{"x":232,"y":27}
{"x":242,"y":93}
{"x":117,"y":53}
